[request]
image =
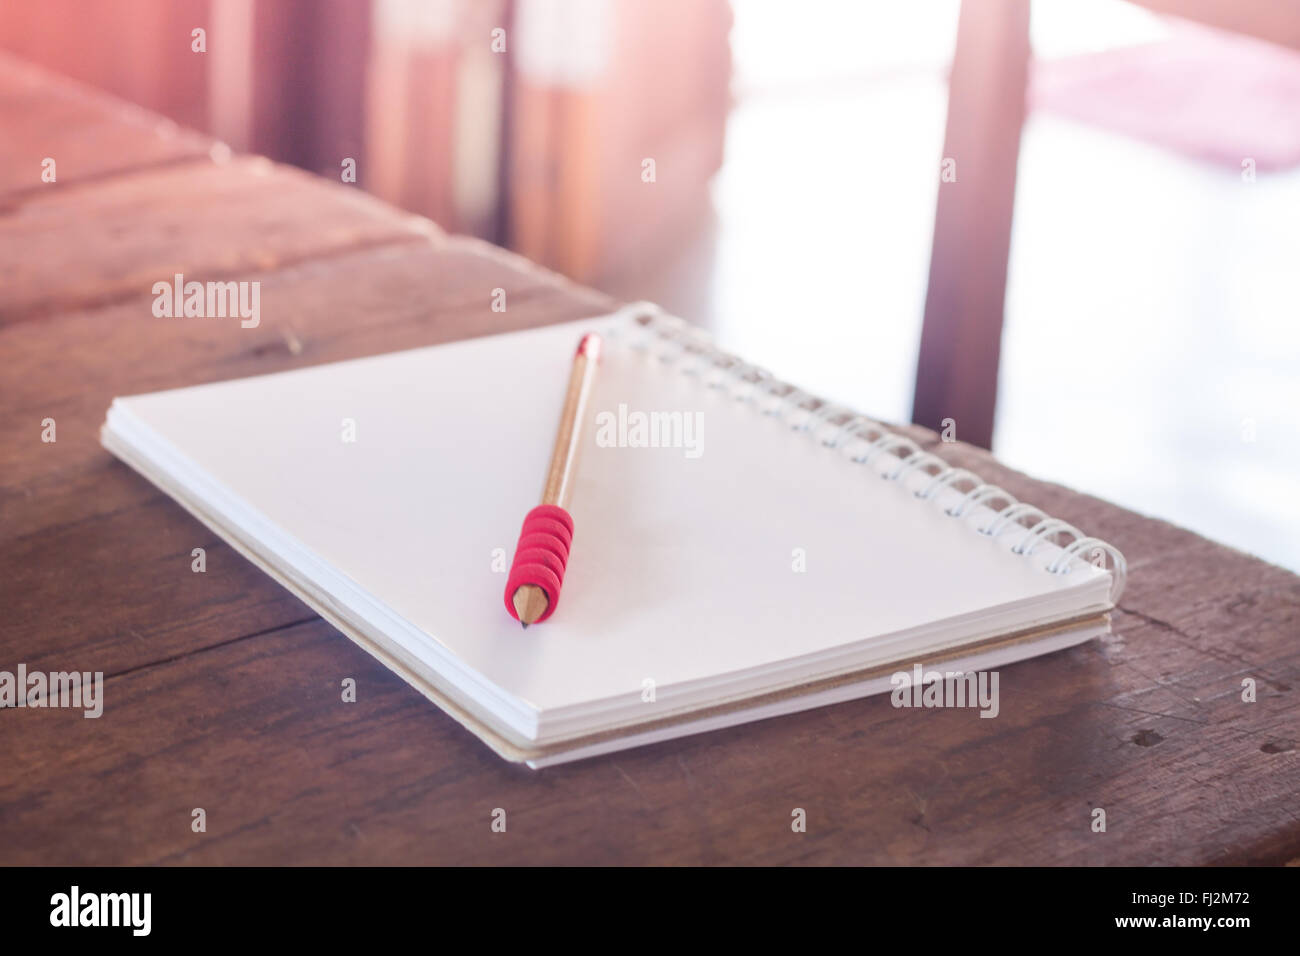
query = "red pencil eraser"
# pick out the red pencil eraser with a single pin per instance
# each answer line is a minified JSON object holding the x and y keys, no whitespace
{"x":541,"y":556}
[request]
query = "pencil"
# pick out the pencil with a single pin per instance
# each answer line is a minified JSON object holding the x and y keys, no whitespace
{"x":533,"y":588}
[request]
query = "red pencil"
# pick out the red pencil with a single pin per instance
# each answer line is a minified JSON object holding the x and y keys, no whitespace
{"x":533,"y":588}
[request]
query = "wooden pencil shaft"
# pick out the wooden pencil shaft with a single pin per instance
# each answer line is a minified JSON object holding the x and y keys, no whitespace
{"x":559,"y":479}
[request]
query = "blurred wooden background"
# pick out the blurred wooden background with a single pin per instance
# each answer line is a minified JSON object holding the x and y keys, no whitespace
{"x":530,"y":123}
{"x":523,"y":137}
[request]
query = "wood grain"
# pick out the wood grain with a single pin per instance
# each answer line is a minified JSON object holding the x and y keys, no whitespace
{"x":87,"y":134}
{"x":223,"y":692}
{"x":207,"y":221}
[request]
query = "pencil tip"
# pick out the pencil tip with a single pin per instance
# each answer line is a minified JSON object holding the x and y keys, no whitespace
{"x":530,"y":603}
{"x":524,"y":625}
{"x":589,"y":346}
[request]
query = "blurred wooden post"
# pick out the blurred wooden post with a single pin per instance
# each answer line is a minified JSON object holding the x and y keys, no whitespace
{"x":619,"y":113}
{"x":435,"y":100}
{"x":957,"y":369}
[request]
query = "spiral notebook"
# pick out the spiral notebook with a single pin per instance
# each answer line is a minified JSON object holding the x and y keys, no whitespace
{"x":742,"y":550}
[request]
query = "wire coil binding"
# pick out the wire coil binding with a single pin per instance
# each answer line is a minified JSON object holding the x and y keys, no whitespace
{"x":647,"y":328}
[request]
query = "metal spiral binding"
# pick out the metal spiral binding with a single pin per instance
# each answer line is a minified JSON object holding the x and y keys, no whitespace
{"x":861,"y":440}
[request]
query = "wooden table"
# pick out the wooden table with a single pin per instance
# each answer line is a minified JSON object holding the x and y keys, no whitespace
{"x":222,"y":690}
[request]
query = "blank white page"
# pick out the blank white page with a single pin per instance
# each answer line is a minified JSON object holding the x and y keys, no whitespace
{"x":682,"y":570}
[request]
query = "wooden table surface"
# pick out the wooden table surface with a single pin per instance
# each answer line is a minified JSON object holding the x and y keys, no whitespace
{"x":222,"y":690}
